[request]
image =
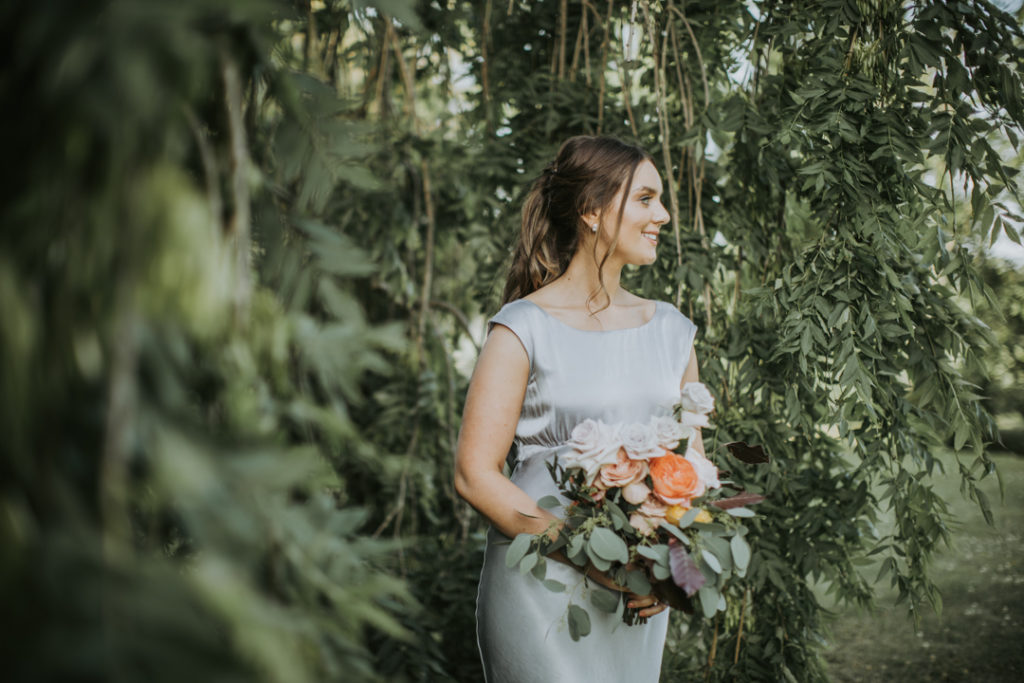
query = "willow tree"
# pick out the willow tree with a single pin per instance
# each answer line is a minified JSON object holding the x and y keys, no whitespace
{"x":810,"y":242}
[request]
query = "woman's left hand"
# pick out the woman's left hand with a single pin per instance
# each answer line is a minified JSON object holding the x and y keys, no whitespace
{"x":647,"y":604}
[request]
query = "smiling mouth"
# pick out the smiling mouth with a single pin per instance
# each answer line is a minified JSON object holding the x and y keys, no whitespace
{"x":651,"y":237}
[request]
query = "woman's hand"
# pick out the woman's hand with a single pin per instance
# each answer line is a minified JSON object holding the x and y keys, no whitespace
{"x":647,"y":604}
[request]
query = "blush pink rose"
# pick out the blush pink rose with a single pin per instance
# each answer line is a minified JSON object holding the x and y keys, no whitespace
{"x":644,"y":525}
{"x":623,"y":471}
{"x":648,"y":516}
{"x":652,"y":507}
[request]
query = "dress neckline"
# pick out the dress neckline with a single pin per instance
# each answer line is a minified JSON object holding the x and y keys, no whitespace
{"x":657,"y":310}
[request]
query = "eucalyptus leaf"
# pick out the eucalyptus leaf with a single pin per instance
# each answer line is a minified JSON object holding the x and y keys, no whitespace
{"x":605,"y":600}
{"x":606,"y":544}
{"x":517,"y":549}
{"x":548,"y":502}
{"x":712,"y":561}
{"x":708,"y":597}
{"x":740,"y":552}
{"x":579,"y":622}
{"x":637,"y":582}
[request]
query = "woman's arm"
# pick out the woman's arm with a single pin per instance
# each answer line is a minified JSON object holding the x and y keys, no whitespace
{"x":493,"y":404}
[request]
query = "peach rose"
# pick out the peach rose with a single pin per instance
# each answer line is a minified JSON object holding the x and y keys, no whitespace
{"x":623,"y":471}
{"x":599,"y":490}
{"x":644,"y":525}
{"x":652,"y":507}
{"x":648,"y":516}
{"x":675,"y":479}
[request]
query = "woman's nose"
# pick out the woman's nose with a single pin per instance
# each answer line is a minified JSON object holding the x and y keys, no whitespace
{"x":663,"y":216}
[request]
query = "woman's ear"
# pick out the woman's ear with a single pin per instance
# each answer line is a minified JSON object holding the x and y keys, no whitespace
{"x":591,"y":218}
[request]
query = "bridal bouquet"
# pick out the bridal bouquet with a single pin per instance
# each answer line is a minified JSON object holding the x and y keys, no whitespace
{"x":648,"y":510}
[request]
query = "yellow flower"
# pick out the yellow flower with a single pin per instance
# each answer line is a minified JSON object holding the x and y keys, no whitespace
{"x":675,"y":513}
{"x":703,"y":517}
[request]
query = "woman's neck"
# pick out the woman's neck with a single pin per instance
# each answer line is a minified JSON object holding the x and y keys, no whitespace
{"x":580,"y":279}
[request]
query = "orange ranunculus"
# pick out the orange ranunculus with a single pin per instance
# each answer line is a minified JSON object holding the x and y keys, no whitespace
{"x":675,"y":479}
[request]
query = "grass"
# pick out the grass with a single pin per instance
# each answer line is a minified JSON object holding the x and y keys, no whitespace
{"x":980,"y":633}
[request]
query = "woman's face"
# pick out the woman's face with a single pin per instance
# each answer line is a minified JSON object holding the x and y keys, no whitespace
{"x":642,"y":218}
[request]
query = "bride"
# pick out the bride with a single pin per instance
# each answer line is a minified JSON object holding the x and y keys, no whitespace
{"x":568,"y":344}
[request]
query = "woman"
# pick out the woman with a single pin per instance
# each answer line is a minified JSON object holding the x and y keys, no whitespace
{"x":568,"y":344}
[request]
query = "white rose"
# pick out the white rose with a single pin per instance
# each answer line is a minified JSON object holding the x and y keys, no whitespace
{"x":696,"y":398}
{"x":593,"y":445}
{"x":707,"y":473}
{"x":669,"y":431}
{"x":688,"y":423}
{"x":640,"y":441}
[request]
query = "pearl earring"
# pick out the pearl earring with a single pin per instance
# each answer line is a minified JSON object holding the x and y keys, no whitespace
{"x":593,"y":228}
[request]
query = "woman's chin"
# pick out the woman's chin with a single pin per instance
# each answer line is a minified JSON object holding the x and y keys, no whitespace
{"x":647,"y":259}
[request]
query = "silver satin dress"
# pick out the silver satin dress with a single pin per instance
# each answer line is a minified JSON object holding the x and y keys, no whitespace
{"x":612,"y":375}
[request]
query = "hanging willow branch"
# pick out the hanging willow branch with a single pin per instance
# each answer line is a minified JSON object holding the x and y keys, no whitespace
{"x":627,"y":94}
{"x":485,"y":81}
{"x":604,"y":67}
{"x":563,"y":21}
{"x":662,"y":109}
{"x":695,"y":189}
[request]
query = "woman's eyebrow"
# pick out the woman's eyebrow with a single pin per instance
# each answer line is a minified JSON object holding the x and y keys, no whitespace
{"x":646,"y":190}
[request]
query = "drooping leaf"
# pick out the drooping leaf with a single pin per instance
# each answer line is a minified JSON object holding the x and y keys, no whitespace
{"x":579,"y":622}
{"x":517,"y":549}
{"x":685,"y":572}
{"x":740,"y":552}
{"x":708,"y":600}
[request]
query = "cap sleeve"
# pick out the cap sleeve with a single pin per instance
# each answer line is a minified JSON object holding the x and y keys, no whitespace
{"x":517,"y":316}
{"x":685,"y":334}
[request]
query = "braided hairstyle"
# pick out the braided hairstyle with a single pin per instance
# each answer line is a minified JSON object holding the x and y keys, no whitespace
{"x":584,"y":177}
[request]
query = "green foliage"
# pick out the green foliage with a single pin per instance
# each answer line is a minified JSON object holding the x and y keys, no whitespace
{"x":168,"y":509}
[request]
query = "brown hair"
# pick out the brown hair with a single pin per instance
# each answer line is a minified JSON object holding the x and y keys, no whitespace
{"x":584,"y":177}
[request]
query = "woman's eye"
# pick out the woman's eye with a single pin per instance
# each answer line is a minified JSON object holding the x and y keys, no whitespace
{"x":645,"y":200}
